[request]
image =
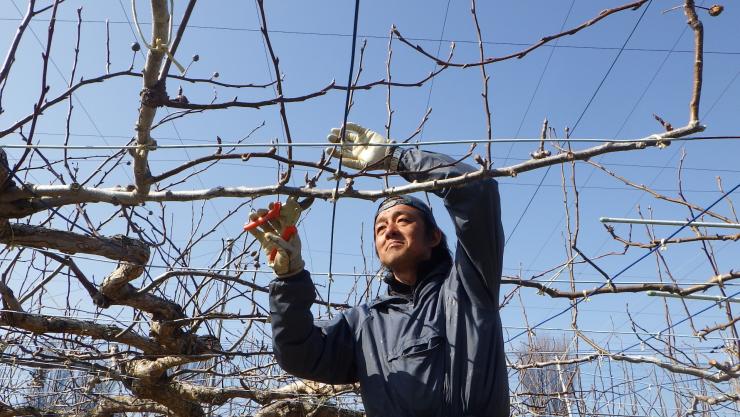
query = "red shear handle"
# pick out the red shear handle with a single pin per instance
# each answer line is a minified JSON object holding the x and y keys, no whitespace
{"x":273,"y":213}
{"x":288,"y":233}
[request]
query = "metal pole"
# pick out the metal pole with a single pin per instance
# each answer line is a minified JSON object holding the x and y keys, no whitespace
{"x":668,"y":222}
{"x":716,"y":298}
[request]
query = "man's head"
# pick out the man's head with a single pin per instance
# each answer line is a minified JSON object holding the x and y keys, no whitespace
{"x":406,"y":235}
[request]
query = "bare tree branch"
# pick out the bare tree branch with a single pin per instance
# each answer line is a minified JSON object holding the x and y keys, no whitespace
{"x":119,"y":247}
{"x":152,"y":88}
{"x":521,"y":54}
{"x":544,"y":287}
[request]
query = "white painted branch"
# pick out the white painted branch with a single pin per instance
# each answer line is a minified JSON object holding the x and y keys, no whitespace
{"x":160,"y":38}
{"x":545,"y":364}
{"x":75,"y":194}
{"x":720,"y":376}
{"x":715,"y":298}
{"x":668,"y":222}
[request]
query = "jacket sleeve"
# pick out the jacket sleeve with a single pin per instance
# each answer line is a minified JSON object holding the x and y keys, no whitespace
{"x":475,"y":209}
{"x":323,"y":353}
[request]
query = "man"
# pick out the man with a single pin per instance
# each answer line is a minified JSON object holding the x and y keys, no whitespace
{"x":433,"y":345}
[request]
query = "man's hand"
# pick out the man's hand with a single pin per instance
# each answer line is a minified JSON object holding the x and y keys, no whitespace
{"x":287,"y":258}
{"x":358,"y":151}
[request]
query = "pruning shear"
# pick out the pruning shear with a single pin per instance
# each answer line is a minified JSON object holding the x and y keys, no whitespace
{"x":290,"y":230}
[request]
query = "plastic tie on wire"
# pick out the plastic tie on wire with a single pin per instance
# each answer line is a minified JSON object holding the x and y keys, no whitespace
{"x":164,"y":48}
{"x":150,"y":145}
{"x":159,"y":46}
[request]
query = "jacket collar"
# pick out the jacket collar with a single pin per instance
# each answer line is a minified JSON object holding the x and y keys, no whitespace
{"x":396,"y":287}
{"x":400,"y":293}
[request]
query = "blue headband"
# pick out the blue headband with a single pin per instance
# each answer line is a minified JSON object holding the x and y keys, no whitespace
{"x":408,"y":200}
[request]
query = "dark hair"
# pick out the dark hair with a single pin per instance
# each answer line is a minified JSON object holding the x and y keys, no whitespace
{"x":442,"y":250}
{"x":440,"y":253}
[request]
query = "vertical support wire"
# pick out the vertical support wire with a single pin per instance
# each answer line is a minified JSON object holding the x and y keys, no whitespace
{"x":347,"y":102}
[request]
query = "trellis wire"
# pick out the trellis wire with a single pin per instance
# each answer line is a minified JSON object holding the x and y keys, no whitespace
{"x":384,"y":145}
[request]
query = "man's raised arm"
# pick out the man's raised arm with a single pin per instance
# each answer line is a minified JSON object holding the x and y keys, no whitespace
{"x":474,"y":207}
{"x":475,"y":210}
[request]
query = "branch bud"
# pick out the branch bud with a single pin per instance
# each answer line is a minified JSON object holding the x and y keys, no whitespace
{"x":716,"y":10}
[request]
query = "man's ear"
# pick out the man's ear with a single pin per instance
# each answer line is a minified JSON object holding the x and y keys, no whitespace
{"x":436,"y":237}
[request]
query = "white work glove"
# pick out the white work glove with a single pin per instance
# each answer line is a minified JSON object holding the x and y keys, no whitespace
{"x":356,"y":152}
{"x":287,"y":260}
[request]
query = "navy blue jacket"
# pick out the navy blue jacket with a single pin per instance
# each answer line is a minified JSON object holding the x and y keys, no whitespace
{"x":435,"y":349}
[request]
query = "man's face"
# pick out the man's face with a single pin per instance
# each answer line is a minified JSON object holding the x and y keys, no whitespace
{"x":401,"y":239}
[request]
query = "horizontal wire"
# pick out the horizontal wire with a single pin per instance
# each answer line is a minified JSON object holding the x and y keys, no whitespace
{"x":364,"y":274}
{"x":555,"y":329}
{"x":504,"y":181}
{"x":102,"y":157}
{"x":385,"y":37}
{"x":369,"y":274}
{"x":348,"y":397}
{"x":248,"y":344}
{"x":161,"y":138}
{"x":641,"y":333}
{"x":329,"y":144}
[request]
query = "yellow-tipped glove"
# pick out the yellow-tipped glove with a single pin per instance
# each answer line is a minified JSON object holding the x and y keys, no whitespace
{"x":358,"y":151}
{"x":279,"y":238}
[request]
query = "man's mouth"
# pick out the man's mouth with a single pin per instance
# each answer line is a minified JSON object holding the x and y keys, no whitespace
{"x":393,"y":244}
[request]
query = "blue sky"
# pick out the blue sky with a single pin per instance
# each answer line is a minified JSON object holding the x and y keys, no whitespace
{"x":312,"y":39}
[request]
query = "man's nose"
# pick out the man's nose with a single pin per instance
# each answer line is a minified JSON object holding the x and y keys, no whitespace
{"x":390,"y":230}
